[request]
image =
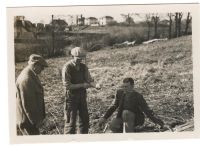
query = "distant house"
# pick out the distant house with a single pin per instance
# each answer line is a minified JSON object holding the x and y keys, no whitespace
{"x":92,"y":21}
{"x":75,"y":20}
{"x":23,"y":28}
{"x":18,"y":26}
{"x":164,"y":22}
{"x":19,"y":18}
{"x":105,"y":20}
{"x":59,"y":24}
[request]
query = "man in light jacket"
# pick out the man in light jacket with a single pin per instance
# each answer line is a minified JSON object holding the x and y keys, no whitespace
{"x":76,"y":79}
{"x":30,"y":106}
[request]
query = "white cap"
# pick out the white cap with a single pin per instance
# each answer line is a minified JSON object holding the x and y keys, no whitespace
{"x":78,"y":52}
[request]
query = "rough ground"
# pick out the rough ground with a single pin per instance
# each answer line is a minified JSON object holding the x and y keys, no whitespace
{"x":163,"y":74}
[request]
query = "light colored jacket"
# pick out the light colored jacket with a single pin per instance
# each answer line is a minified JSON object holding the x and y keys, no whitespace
{"x":30,"y":98}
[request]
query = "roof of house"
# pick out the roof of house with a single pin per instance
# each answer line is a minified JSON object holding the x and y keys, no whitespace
{"x":107,"y":17}
{"x":164,"y":21}
{"x":59,"y":22}
{"x":92,"y":18}
{"x":25,"y":24}
{"x":29,"y":25}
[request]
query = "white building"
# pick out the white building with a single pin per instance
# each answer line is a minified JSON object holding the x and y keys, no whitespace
{"x":105,"y":20}
{"x":92,"y":21}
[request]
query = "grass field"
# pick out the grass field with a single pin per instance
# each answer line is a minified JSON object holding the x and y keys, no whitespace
{"x":89,"y":38}
{"x":162,"y":71}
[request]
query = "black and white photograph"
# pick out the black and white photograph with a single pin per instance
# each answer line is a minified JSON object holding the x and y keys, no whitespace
{"x":102,"y":70}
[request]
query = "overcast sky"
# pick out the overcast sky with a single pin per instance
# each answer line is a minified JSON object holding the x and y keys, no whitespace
{"x":43,"y":14}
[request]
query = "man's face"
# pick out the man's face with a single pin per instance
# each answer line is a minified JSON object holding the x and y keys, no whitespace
{"x":127,"y":85}
{"x":77,"y":59}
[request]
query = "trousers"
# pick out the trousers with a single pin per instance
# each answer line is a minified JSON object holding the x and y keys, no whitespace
{"x":27,"y":129}
{"x":129,"y":120}
{"x":74,"y":111}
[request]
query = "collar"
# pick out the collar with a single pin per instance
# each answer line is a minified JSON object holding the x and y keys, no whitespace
{"x":72,"y":61}
{"x":33,"y":71}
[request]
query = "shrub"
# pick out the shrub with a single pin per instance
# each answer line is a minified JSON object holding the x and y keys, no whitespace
{"x":113,"y":23}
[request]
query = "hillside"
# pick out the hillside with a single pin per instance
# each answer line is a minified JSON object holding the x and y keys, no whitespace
{"x":162,"y":71}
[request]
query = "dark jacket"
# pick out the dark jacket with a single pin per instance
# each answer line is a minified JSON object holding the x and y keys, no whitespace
{"x":30,"y":98}
{"x":134,"y":102}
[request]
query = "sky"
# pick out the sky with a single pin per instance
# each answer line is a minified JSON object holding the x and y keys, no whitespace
{"x":43,"y":14}
{"x":87,"y":11}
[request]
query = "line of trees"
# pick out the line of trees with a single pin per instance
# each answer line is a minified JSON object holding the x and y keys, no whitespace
{"x":153,"y":20}
{"x":173,"y":18}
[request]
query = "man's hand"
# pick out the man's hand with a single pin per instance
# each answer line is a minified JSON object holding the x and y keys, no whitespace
{"x":102,"y":121}
{"x":166,"y":127}
{"x":97,"y":86}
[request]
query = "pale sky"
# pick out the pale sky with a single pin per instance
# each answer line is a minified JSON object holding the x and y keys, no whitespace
{"x":43,"y":14}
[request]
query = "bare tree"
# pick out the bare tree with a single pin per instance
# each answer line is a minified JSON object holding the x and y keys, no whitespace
{"x":176,"y":24}
{"x":188,"y":21}
{"x":155,"y":18}
{"x":180,"y":15}
{"x":53,"y":37}
{"x":170,"y":15}
{"x":178,"y":18}
{"x":128,"y":18}
{"x":77,"y":17}
{"x":148,"y":22}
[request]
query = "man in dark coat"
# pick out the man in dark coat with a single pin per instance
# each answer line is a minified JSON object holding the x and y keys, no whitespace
{"x":131,"y":109}
{"x":30,"y":97}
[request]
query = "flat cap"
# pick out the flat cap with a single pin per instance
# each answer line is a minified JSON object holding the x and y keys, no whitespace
{"x":78,"y":52}
{"x":34,"y":58}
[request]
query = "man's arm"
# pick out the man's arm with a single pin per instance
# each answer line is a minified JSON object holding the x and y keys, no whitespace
{"x":111,"y":109}
{"x":90,"y":80}
{"x":115,"y":104}
{"x":28,"y":99}
{"x":109,"y":112}
{"x":149,"y":113}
